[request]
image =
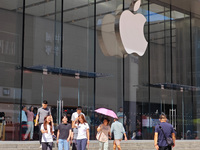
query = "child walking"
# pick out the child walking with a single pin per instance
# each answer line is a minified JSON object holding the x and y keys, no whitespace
{"x":47,"y":130}
{"x":64,"y":134}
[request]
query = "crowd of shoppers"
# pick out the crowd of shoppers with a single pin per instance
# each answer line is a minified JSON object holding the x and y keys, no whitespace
{"x":78,"y":133}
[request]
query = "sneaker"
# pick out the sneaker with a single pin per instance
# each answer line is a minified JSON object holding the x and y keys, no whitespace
{"x":40,"y":146}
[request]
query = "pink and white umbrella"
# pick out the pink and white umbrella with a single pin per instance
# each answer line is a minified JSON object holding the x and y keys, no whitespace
{"x":106,"y":112}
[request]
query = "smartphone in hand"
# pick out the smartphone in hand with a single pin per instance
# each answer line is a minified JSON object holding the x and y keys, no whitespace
{"x":54,"y":137}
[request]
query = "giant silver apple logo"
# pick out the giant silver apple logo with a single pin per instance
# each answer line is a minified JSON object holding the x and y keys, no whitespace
{"x":131,"y":28}
{"x":108,"y":34}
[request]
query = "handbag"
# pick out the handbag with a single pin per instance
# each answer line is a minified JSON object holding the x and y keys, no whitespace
{"x":98,"y":135}
{"x":169,"y":140}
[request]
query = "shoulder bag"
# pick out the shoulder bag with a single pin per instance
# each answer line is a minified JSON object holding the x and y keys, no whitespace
{"x":169,"y":140}
{"x":98,"y":135}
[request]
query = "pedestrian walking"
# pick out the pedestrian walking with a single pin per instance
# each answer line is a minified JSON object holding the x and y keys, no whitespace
{"x":118,"y":129}
{"x":164,"y":137}
{"x":42,"y":112}
{"x":64,"y":134}
{"x":23,"y":122}
{"x":74,"y":120}
{"x":83,"y":136}
{"x":74,"y":137}
{"x":103,"y":134}
{"x":24,"y":117}
{"x":121,"y":116}
{"x":30,"y":116}
{"x":47,"y":131}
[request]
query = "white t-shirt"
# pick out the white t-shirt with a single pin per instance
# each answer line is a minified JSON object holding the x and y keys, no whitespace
{"x":73,"y":118}
{"x":82,"y":130}
{"x":47,"y":137}
{"x":75,"y":115}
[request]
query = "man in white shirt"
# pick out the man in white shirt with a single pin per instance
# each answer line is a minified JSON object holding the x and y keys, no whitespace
{"x":74,"y":119}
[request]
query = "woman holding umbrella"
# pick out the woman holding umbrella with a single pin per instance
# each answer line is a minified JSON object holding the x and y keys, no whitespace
{"x":116,"y":127}
{"x":103,"y":134}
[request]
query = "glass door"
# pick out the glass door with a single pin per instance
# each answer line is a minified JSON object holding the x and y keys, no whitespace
{"x":62,"y":94}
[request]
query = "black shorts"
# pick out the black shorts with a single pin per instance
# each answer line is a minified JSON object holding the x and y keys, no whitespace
{"x":165,"y":148}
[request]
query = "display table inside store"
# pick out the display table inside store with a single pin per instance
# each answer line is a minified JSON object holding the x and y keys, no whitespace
{"x":12,"y":132}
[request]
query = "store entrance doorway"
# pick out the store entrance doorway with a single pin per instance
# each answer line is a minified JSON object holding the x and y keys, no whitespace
{"x":62,"y":94}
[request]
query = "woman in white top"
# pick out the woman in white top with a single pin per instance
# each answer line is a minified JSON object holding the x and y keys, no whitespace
{"x":103,"y":134}
{"x":47,"y":130}
{"x":83,"y":136}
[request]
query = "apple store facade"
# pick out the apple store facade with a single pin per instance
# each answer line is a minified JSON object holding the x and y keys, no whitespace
{"x":69,"y":52}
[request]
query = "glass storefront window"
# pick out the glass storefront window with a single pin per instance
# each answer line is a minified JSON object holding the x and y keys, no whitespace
{"x":69,"y":52}
{"x":10,"y":59}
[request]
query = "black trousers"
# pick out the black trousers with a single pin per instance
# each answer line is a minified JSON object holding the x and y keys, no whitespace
{"x":165,"y":148}
{"x":24,"y":127}
{"x":74,"y":145}
{"x":40,"y":133}
{"x":47,"y":146}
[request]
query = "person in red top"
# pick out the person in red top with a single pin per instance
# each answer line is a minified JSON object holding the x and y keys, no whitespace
{"x":30,"y":116}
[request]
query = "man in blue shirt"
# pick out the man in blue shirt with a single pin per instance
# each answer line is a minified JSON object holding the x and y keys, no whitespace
{"x":24,"y":117}
{"x":160,"y":142}
{"x":118,"y":129}
{"x":23,"y":122}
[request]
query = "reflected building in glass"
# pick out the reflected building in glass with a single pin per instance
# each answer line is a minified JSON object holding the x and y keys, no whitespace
{"x":69,"y":52}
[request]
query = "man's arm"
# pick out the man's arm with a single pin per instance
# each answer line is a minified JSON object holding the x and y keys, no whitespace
{"x":51,"y":116}
{"x":69,"y":137}
{"x":73,"y":121}
{"x":123,"y":130}
{"x":37,"y":117}
{"x":73,"y":124}
{"x":36,"y":120}
{"x":58,"y":133}
{"x":173,"y":138}
{"x":72,"y":134}
{"x":125,"y":136}
{"x":156,"y":140}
